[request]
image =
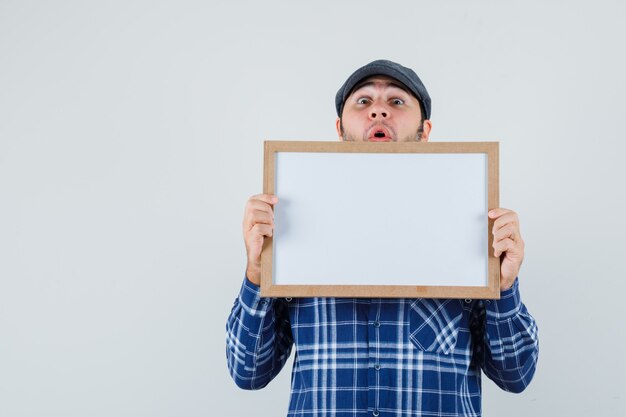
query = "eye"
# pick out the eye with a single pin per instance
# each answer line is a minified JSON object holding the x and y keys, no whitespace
{"x":397,"y":101}
{"x":362,"y":100}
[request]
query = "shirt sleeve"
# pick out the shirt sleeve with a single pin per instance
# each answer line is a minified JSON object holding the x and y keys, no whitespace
{"x":510,"y":345}
{"x":258,"y":338}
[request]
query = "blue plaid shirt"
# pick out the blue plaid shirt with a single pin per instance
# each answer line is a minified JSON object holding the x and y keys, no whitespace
{"x":382,"y":357}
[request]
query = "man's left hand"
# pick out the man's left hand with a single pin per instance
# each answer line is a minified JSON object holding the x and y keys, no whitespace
{"x":507,"y":244}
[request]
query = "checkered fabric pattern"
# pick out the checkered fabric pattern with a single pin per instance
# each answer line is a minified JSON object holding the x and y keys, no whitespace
{"x":382,"y":357}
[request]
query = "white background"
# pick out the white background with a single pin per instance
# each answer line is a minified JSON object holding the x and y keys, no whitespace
{"x":131,"y":136}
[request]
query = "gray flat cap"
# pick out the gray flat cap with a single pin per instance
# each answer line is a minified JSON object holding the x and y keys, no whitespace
{"x":404,"y":75}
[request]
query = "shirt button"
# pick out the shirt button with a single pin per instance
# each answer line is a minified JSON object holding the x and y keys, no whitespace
{"x":375,"y":413}
{"x":376,"y":324}
{"x":377,"y":367}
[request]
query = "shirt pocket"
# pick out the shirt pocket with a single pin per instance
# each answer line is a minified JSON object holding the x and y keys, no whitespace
{"x":434,"y":324}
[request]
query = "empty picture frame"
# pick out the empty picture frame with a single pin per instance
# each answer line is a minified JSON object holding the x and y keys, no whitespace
{"x":405,"y":220}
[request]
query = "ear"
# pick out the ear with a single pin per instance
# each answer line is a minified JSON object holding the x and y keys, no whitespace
{"x":338,"y":127}
{"x":426,"y":133}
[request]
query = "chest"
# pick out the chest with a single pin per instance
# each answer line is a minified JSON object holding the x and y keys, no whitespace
{"x":428,"y":325}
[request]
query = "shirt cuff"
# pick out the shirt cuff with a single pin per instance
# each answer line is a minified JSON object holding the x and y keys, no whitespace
{"x":508,"y":305}
{"x":251,"y":300}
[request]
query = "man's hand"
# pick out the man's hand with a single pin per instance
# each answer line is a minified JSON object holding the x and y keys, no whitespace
{"x":258,"y":222}
{"x":507,"y":244}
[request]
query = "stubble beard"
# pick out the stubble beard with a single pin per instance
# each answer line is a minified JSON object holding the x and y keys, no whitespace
{"x":417,"y":137}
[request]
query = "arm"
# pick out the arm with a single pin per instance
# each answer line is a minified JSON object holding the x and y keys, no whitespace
{"x":258,"y":332}
{"x":258,"y":338}
{"x":510,"y":345}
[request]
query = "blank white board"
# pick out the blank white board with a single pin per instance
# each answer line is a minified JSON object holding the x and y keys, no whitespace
{"x":374,"y":219}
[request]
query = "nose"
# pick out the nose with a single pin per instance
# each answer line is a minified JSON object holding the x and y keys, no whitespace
{"x":378,"y":111}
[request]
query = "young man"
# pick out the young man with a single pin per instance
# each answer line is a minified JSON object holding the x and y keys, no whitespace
{"x":375,"y":357}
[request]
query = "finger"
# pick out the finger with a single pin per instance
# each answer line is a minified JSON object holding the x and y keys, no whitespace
{"x":258,"y":216}
{"x":507,"y":231}
{"x":497,"y":212}
{"x":254,"y":240}
{"x":506,"y":219}
{"x":259,"y":205}
{"x":266,"y":198}
{"x":253,"y":206}
{"x":502,"y":246}
{"x":261,"y":229}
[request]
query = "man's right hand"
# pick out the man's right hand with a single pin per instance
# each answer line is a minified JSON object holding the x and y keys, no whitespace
{"x":258,"y":222}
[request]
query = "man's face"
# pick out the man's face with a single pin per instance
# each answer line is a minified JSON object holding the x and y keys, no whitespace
{"x":380,"y":109}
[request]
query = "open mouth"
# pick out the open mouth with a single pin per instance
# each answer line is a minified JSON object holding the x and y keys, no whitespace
{"x":379,"y":134}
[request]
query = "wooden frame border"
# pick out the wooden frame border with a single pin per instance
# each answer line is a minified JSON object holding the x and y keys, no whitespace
{"x":491,"y":291}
